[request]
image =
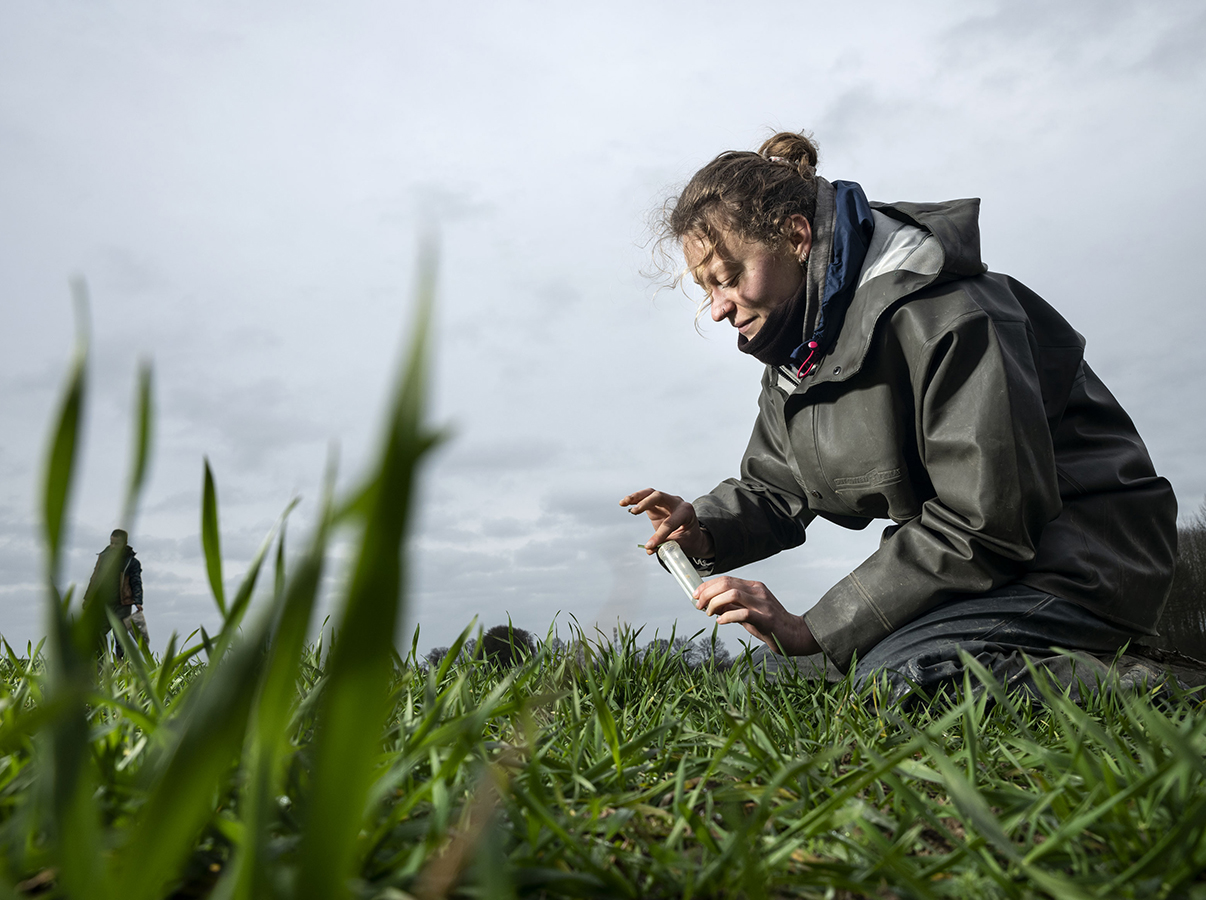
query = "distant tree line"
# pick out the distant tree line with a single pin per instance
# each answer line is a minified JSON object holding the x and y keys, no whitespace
{"x":506,"y":646}
{"x":1182,"y":626}
{"x":503,"y":645}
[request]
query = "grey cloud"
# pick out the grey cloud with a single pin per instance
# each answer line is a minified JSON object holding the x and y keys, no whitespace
{"x":434,"y":202}
{"x":250,"y":339}
{"x":1096,"y":35}
{"x":583,"y":506}
{"x":45,"y":377}
{"x":1025,"y":19}
{"x":546,"y":554}
{"x":1177,"y":51}
{"x":239,"y":545}
{"x":13,"y":468}
{"x":89,"y":537}
{"x":557,"y":296}
{"x":124,"y":271}
{"x":844,"y":117}
{"x":453,"y":565}
{"x":167,"y":549}
{"x":572,"y":529}
{"x":179,"y":501}
{"x":14,"y":518}
{"x":21,"y":551}
{"x":506,"y":455}
{"x":161,"y":578}
{"x":439,"y":530}
{"x":24,"y":617}
{"x":505,"y":526}
{"x":253,"y":420}
{"x":596,"y":513}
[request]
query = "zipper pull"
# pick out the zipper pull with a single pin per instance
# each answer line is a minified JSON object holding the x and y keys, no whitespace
{"x":812,"y":345}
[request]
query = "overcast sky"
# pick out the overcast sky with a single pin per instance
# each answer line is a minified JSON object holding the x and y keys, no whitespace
{"x":244,"y":186}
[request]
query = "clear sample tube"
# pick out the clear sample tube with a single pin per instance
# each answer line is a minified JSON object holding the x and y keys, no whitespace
{"x":680,"y":567}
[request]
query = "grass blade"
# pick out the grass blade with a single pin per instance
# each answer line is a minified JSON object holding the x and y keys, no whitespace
{"x":188,"y":768}
{"x":268,"y":739}
{"x":242,"y":599}
{"x":66,"y":776}
{"x":61,"y":459}
{"x":354,"y":704}
{"x":142,"y":445}
{"x":210,"y":543}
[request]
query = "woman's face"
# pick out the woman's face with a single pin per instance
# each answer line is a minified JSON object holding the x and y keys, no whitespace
{"x":747,"y":280}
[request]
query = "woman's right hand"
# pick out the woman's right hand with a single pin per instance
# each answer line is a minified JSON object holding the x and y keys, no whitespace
{"x":673,"y":519}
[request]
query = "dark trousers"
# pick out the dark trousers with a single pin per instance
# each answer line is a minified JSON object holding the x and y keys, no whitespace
{"x":135,"y":623}
{"x":996,"y":629}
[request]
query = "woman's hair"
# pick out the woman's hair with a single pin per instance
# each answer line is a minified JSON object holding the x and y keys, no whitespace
{"x":750,"y":195}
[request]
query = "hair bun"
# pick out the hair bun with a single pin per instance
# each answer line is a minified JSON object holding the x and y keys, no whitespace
{"x":795,"y":149}
{"x":747,"y":195}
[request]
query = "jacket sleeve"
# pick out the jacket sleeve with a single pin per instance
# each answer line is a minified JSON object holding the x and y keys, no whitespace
{"x":986,"y":450}
{"x":763,"y":511}
{"x":93,"y":582}
{"x":134,"y":575}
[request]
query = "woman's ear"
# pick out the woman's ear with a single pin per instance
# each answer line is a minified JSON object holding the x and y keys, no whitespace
{"x":799,"y":236}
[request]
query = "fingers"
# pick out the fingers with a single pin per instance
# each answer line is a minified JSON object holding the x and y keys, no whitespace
{"x":735,"y":600}
{"x":732,"y":607}
{"x":650,"y":499}
{"x":672,"y":516}
{"x":636,"y":497}
{"x":721,"y":603}
{"x":715,"y":587}
{"x":752,"y":605}
{"x":720,"y":594}
{"x":739,"y":616}
{"x":674,"y":527}
{"x":658,"y":537}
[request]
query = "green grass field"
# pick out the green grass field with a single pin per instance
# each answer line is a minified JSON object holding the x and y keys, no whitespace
{"x":252,"y":764}
{"x":603,"y":773}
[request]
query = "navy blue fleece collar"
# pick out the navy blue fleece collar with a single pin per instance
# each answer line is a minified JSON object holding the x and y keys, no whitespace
{"x":852,"y":231}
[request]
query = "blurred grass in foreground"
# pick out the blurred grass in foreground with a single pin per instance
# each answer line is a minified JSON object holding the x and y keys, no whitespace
{"x":254,"y":765}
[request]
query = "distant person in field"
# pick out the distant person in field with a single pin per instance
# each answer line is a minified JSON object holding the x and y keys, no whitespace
{"x":906,"y":382}
{"x":117,"y":582}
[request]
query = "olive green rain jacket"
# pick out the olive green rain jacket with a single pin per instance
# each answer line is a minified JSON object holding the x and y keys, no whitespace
{"x":956,"y":403}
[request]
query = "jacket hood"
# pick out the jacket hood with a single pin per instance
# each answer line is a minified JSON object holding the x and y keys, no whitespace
{"x":847,"y":252}
{"x":956,"y":225}
{"x":867,"y":256}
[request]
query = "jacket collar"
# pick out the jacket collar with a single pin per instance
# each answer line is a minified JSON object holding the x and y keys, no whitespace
{"x":807,"y":325}
{"x":908,"y":246}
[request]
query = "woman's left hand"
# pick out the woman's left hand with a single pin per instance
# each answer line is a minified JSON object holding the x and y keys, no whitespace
{"x":751,"y":605}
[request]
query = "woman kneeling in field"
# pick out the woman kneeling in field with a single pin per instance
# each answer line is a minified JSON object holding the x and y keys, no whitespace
{"x":904,"y":381}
